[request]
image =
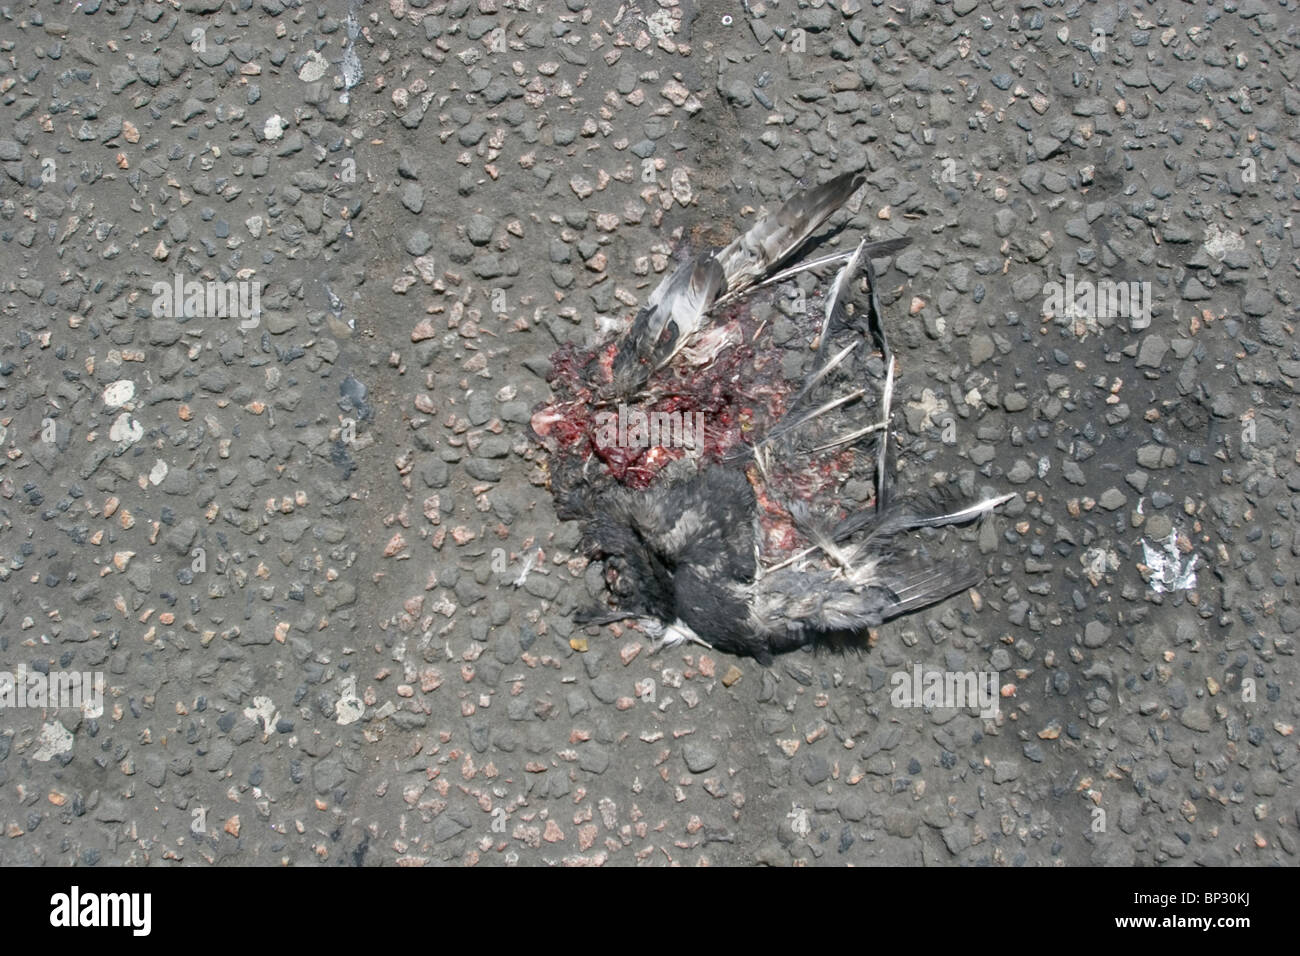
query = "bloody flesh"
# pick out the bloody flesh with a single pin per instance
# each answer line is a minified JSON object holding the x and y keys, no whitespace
{"x":740,"y":390}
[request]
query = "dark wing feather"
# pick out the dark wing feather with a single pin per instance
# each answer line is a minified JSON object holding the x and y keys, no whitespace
{"x":915,"y":586}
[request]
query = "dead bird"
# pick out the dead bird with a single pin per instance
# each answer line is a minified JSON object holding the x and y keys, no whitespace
{"x":745,"y":545}
{"x":684,"y":559}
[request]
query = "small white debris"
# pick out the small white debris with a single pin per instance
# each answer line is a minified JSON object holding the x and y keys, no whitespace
{"x":1219,"y":242}
{"x":158,"y":472}
{"x":799,"y":821}
{"x":349,"y":708}
{"x":274,"y":127}
{"x":351,"y":63}
{"x":263,"y":711}
{"x":54,"y":739}
{"x":119,"y":393}
{"x":1168,"y":570}
{"x":529,"y":565}
{"x":315,"y":67}
{"x":126,"y":428}
{"x":254,"y":225}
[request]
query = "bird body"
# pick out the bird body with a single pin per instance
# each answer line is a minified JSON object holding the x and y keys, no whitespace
{"x":685,"y":558}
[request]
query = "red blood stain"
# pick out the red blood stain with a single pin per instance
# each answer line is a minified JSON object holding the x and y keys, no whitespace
{"x":741,"y":392}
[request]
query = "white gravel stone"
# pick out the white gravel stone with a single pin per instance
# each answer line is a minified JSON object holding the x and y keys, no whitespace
{"x":315,"y":67}
{"x":126,"y":428}
{"x":119,"y":393}
{"x":54,"y":739}
{"x":350,"y":707}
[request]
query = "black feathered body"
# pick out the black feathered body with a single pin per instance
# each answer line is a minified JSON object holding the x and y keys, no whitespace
{"x":687,"y":550}
{"x":745,"y":545}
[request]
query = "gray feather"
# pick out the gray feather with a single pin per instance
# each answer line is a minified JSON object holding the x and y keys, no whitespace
{"x":674,"y":312}
{"x":768,"y":243}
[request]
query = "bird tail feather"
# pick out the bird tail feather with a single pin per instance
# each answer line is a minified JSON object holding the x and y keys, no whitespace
{"x":920,"y":585}
{"x":935,"y":510}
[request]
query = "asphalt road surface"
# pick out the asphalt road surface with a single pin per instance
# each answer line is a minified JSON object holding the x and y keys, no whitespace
{"x":280,"y":285}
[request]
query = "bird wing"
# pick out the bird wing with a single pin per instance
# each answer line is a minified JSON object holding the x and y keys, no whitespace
{"x":752,"y":255}
{"x":796,"y":606}
{"x":936,"y":508}
{"x":674,"y":312}
{"x":678,"y":307}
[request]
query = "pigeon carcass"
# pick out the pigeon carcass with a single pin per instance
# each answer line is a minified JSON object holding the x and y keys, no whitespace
{"x":735,"y":532}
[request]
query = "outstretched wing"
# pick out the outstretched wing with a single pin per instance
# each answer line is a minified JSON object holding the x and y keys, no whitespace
{"x":796,"y":606}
